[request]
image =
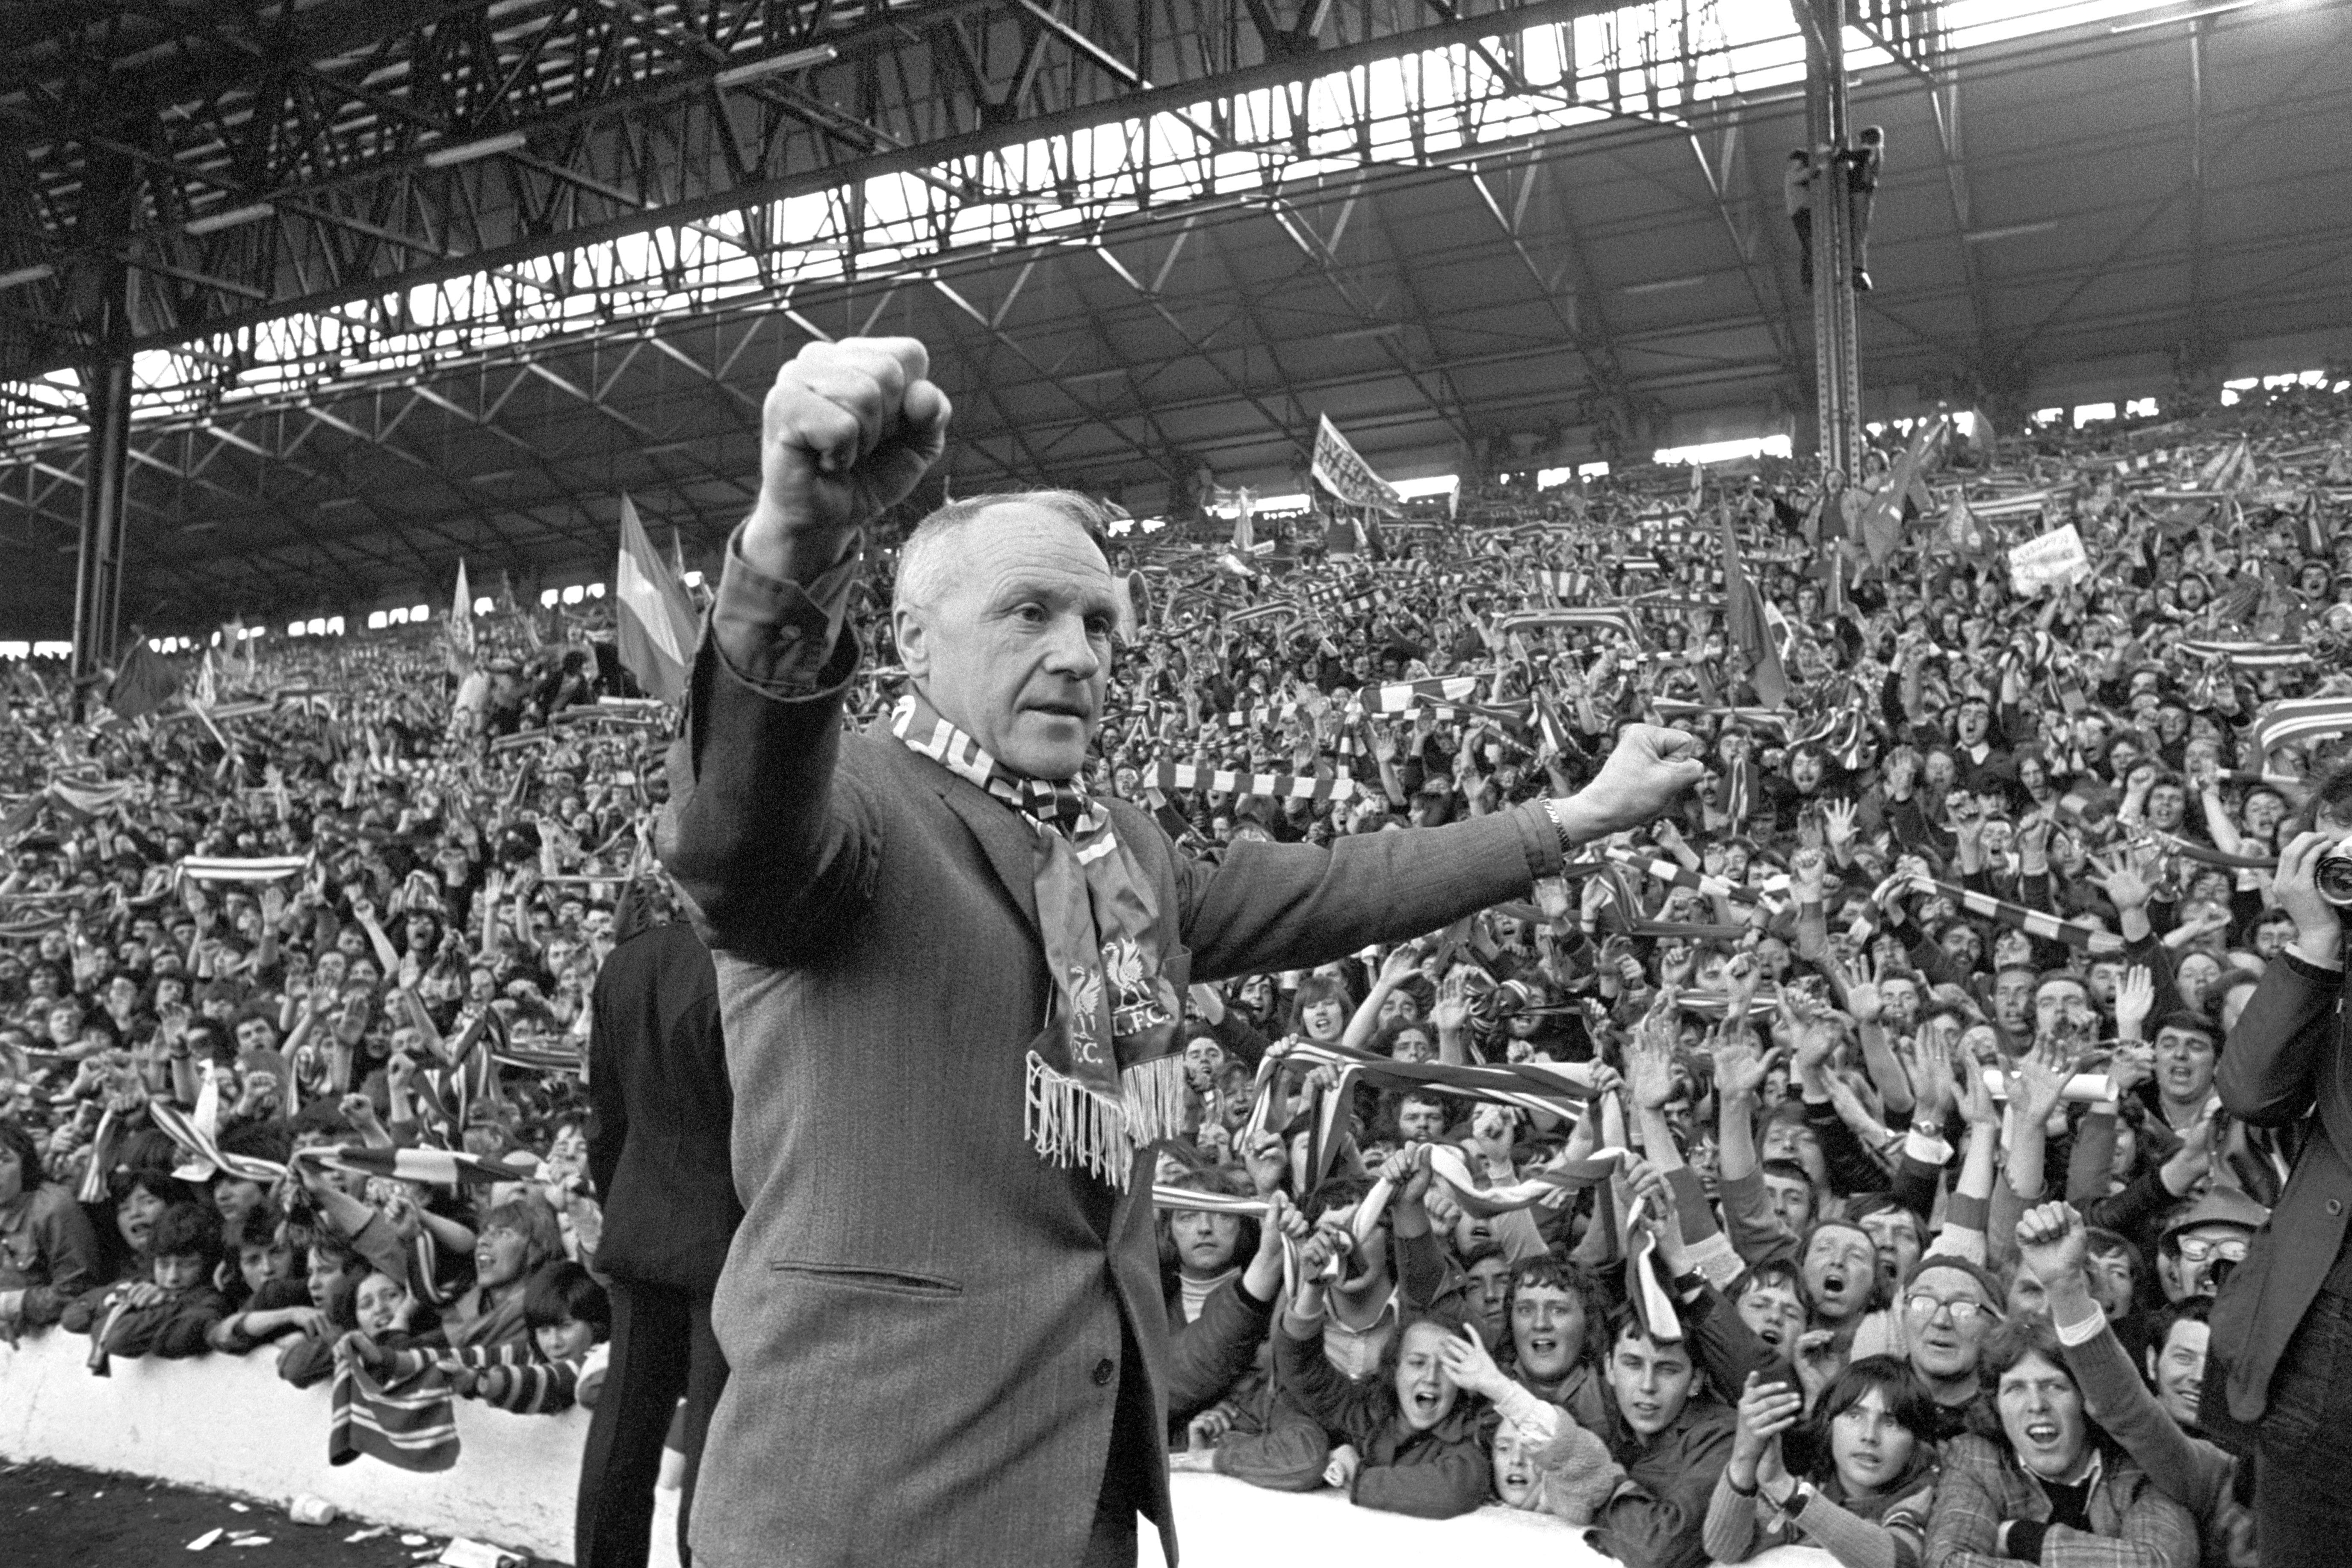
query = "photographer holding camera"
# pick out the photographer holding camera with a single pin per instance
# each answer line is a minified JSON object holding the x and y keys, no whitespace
{"x":2282,"y":1322}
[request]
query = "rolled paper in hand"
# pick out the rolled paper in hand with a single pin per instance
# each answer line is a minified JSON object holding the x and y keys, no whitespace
{"x":2084,"y":1087}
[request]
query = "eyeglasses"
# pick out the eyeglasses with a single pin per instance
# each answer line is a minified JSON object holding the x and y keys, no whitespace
{"x":2202,"y":1249}
{"x":1964,"y":1312}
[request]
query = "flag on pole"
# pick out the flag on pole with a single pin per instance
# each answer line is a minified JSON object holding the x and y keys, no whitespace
{"x":1882,"y":518}
{"x":655,"y":620}
{"x":1751,"y":634}
{"x":461,"y":622}
{"x":145,"y":681}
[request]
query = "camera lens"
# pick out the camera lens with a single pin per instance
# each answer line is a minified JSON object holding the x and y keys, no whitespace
{"x":2334,"y":878}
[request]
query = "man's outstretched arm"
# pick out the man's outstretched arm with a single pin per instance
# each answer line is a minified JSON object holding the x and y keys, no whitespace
{"x":762,"y":840}
{"x":1293,"y":906}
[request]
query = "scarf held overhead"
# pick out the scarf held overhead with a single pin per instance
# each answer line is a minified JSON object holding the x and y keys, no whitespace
{"x":1105,"y":1076}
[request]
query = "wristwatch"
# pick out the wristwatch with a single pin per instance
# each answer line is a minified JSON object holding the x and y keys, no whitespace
{"x":1557,"y":809}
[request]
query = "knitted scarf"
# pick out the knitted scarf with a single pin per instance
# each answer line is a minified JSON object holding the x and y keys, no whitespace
{"x":1106,"y":1077}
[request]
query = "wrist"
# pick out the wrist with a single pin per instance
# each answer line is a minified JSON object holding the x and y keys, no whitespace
{"x":2321,"y":947}
{"x":1576,"y":820}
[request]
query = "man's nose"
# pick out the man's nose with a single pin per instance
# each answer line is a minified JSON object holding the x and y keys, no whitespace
{"x":1070,"y":651}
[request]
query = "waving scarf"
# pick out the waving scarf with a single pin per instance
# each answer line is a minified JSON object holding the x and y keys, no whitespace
{"x":1106,"y":1076}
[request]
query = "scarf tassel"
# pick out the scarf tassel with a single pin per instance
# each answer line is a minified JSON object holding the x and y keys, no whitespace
{"x":1070,"y":1124}
{"x":1152,"y":1099}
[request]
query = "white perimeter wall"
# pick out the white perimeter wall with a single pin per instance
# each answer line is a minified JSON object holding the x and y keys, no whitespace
{"x":228,"y":1424}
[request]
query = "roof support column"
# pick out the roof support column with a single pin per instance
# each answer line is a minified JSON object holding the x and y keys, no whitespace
{"x":1837,"y":361}
{"x":105,"y":383}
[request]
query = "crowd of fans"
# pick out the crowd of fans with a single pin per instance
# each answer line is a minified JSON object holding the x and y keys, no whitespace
{"x":1893,"y":1049}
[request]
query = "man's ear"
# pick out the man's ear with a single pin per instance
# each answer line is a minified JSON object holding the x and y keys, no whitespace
{"x":913,"y":637}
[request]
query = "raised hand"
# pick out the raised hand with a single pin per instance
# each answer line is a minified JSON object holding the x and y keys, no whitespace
{"x":2134,"y":1000}
{"x":1933,"y":1088}
{"x":1650,"y":1063}
{"x":1766,"y":1411}
{"x":2038,"y":1080}
{"x":1817,"y":1361}
{"x":846,"y":432}
{"x":2318,"y":924}
{"x":1469,"y":1366}
{"x":1739,"y":1066}
{"x":1838,"y":819}
{"x":2053,"y":1242}
{"x":2125,"y":881}
{"x":1975,"y":1099}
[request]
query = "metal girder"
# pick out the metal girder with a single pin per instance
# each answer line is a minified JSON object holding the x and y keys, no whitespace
{"x":1742,"y":227}
{"x":2326,"y":58}
{"x":542,"y":125}
{"x":1324,"y":259}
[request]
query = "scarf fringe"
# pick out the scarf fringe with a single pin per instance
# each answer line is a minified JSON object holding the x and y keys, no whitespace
{"x":1072,"y":1125}
{"x":1151,"y":1096}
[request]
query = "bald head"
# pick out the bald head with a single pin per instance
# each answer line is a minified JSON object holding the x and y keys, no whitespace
{"x":930,"y":561}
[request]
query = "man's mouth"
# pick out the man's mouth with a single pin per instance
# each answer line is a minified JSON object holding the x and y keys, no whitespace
{"x":1771,"y":1334}
{"x":1542,"y":1344}
{"x":2041,"y":1434}
{"x":1834,"y":1284}
{"x":1077,"y":710}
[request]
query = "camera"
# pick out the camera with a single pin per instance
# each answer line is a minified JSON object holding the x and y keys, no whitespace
{"x":2334,"y":878}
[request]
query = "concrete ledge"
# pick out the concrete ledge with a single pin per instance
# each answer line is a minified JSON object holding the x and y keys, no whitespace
{"x":227,"y":1424}
{"x":230,"y":1424}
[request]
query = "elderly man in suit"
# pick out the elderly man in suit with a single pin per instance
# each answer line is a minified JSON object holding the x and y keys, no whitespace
{"x":952,"y":979}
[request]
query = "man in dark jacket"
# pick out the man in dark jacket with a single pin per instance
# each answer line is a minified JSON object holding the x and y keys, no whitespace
{"x":2284,"y":1319}
{"x":658,"y":1154}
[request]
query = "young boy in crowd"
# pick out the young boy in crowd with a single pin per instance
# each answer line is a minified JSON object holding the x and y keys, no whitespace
{"x":173,"y":1312}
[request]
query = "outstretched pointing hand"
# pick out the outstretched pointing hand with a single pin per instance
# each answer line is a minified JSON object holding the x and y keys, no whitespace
{"x":846,"y":431}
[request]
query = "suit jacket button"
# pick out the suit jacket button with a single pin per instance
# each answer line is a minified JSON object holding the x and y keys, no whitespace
{"x":2335,"y":1205}
{"x":1105,"y":1369}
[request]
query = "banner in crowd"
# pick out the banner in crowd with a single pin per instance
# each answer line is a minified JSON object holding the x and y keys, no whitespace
{"x":1337,"y":467}
{"x":2056,"y":558}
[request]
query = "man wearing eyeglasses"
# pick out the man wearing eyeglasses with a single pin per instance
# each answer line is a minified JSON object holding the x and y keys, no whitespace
{"x":1947,"y":1307}
{"x":2203,"y":1239}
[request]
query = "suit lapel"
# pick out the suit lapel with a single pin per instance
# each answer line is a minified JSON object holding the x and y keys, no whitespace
{"x":1010,"y":843}
{"x":1005,"y":835}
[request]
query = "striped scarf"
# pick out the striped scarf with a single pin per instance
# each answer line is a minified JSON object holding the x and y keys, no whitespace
{"x":409,"y":1421}
{"x":2034,"y":922}
{"x":1106,"y":1076}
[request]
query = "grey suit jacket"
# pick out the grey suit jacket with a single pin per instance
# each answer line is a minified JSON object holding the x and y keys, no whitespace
{"x":925,"y":1321}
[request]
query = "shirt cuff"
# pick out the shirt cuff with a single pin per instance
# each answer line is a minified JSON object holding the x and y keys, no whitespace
{"x":1540,"y":831}
{"x":777,"y":636}
{"x":2318,"y":973}
{"x":2080,"y":1331}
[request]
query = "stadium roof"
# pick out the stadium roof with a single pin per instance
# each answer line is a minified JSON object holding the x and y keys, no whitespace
{"x":422,"y":279}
